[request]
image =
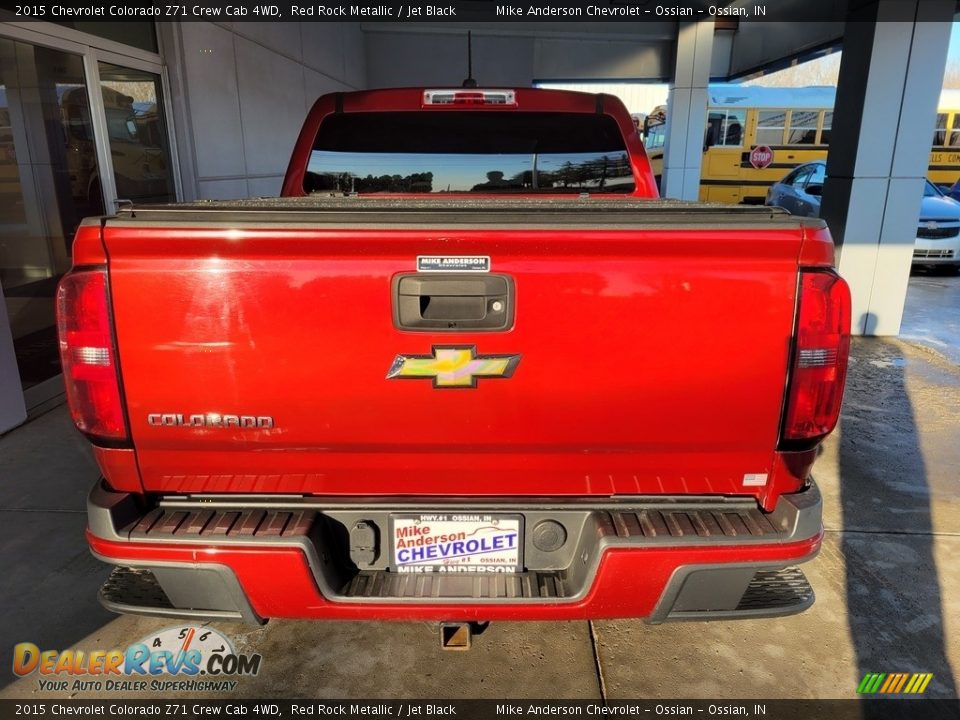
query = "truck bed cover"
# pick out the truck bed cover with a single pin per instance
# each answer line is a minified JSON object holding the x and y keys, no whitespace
{"x":526,"y":212}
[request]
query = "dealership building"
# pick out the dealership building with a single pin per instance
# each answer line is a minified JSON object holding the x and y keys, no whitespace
{"x":93,"y":113}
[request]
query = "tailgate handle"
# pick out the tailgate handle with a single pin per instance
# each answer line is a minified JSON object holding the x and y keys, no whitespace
{"x":452,"y":302}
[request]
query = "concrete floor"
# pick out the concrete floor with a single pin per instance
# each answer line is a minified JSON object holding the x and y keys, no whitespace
{"x":887,"y":581}
{"x":931,"y":314}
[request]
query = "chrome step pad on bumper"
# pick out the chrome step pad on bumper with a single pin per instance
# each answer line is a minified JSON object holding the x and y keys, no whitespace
{"x":188,"y":524}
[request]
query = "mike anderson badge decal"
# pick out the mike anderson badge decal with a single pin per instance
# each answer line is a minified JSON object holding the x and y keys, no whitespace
{"x":452,"y":366}
{"x":453,"y":263}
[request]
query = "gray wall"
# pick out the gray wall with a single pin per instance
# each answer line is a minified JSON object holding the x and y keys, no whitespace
{"x":516,"y":55}
{"x":240,"y":94}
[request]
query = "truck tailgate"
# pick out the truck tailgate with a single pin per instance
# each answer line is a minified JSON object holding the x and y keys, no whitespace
{"x":653,"y":342}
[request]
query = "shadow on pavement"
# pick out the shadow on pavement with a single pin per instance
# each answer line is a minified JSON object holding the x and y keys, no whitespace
{"x":48,"y":593}
{"x":894,"y":597}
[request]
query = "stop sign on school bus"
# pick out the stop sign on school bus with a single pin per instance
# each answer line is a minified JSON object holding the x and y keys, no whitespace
{"x":761,"y":156}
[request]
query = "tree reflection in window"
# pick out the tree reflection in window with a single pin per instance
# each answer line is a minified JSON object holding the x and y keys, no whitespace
{"x":351,"y":172}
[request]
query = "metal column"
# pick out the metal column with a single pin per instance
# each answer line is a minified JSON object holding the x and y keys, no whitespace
{"x":894,"y":52}
{"x":687,"y":111}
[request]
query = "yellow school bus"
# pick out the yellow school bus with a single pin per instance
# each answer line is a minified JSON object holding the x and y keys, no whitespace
{"x":795,"y":124}
{"x":945,"y":157}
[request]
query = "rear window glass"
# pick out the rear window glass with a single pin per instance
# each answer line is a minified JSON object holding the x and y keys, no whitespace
{"x":469,"y":151}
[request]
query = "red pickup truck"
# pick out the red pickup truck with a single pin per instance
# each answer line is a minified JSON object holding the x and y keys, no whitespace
{"x":467,"y":367}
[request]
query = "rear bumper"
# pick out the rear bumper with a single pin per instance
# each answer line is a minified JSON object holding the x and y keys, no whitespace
{"x":252,"y":558}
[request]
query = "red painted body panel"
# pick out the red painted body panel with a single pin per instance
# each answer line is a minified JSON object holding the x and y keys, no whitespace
{"x":88,"y":246}
{"x":692,"y":322}
{"x":120,"y":466}
{"x":278,"y":582}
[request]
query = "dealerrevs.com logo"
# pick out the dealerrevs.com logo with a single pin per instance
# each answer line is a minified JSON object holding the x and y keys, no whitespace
{"x":186,"y":658}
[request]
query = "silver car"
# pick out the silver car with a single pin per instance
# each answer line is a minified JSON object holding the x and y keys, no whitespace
{"x":938,"y":232}
{"x":938,"y":235}
{"x":800,"y":191}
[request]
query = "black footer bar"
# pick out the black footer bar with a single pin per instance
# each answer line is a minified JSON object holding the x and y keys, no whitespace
{"x":858,"y":709}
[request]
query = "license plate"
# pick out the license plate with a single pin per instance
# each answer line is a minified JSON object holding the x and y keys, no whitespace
{"x":456,"y":542}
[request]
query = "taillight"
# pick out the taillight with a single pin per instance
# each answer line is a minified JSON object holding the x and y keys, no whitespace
{"x":819,"y":366}
{"x":89,"y":356}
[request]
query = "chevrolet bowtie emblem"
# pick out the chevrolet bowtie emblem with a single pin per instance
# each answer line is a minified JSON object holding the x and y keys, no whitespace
{"x":453,"y":367}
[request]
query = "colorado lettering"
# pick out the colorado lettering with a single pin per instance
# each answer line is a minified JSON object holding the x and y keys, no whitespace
{"x":210,"y":420}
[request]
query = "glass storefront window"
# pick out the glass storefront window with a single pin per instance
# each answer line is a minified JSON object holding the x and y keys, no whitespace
{"x":137,"y":133}
{"x":49,"y":181}
{"x":55,"y":130}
